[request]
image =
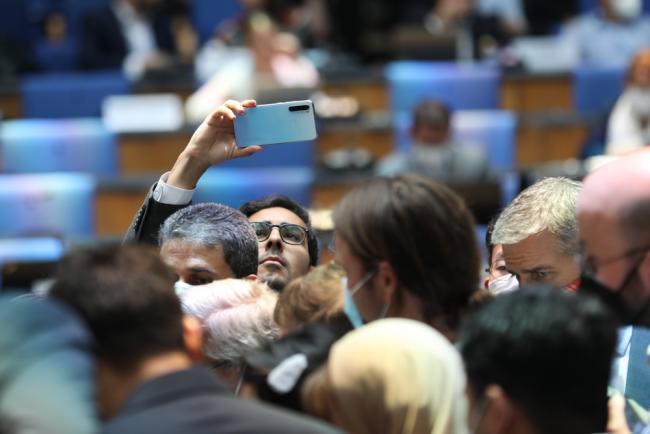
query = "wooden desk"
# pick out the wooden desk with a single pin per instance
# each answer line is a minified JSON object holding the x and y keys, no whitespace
{"x":151,"y":152}
{"x":11,"y":104}
{"x":117,"y":200}
{"x":372,"y":95}
{"x":549,"y":138}
{"x":526,"y":94}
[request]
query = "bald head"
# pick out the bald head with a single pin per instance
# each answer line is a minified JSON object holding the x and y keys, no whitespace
{"x":619,"y":190}
{"x":614,"y":226}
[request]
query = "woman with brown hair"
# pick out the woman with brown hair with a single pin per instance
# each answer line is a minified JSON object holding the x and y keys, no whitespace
{"x":409,"y":249}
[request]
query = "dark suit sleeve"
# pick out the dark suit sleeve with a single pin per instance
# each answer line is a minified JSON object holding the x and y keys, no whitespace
{"x":151,"y":215}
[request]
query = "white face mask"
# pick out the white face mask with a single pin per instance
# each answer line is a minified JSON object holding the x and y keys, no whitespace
{"x":626,"y":9}
{"x":503,"y":284}
{"x":180,"y":287}
{"x":640,"y":100}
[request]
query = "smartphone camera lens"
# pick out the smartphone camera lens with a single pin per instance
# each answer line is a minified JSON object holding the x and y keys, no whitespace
{"x":299,"y":108}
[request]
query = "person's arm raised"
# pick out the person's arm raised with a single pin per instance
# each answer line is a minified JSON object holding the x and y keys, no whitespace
{"x":211,"y":144}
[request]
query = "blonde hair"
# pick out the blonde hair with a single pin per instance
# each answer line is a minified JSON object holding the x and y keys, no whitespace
{"x":391,"y":376}
{"x":236,"y":315}
{"x":317,"y":296}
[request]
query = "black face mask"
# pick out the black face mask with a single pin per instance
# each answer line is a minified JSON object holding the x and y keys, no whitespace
{"x":609,"y":297}
{"x":613,"y":298}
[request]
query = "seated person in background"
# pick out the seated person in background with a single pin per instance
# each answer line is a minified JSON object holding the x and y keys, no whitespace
{"x":314,"y":297}
{"x":237,"y":318}
{"x":434,"y":152}
{"x":539,"y":234}
{"x":610,"y":35}
{"x":47,"y":369}
{"x":393,"y":376}
{"x":288,"y":246}
{"x":497,"y":280}
{"x":269,"y":59}
{"x":207,"y":242}
{"x":409,"y":249}
{"x":479,"y":27}
{"x":148,"y":351}
{"x":132,"y":35}
{"x":538,"y":361}
{"x":628,"y":127}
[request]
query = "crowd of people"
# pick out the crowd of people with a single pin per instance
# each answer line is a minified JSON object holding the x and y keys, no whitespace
{"x":212,"y":319}
{"x":152,"y":35}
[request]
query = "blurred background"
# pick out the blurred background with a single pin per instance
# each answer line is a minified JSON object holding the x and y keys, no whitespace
{"x":98,"y":97}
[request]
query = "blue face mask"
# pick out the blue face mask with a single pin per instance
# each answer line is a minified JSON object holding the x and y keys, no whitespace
{"x":349,"y":306}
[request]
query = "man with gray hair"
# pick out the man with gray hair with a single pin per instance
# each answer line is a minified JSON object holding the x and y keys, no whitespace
{"x":539,"y":233}
{"x":207,"y":242}
{"x":237,"y":318}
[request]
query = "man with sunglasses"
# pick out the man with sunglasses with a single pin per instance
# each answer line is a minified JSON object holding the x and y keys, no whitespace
{"x":614,"y":226}
{"x":287,"y":244}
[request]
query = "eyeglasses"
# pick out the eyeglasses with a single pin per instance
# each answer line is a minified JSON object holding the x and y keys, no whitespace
{"x":289,"y":233}
{"x":588,"y":263}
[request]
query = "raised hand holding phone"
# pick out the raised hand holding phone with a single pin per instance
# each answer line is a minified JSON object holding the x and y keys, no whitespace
{"x":212,"y":143}
{"x":269,"y":124}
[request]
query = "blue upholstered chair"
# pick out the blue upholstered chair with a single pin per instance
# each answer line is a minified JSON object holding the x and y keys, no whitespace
{"x":233,"y":187}
{"x":70,"y":95}
{"x":52,"y":145}
{"x":300,"y":154}
{"x":461,"y":86}
{"x":60,"y":204}
{"x":595,"y":89}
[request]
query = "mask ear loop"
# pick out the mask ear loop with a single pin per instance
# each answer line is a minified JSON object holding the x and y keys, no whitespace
{"x":635,"y":317}
{"x":384,"y":311}
{"x":482,"y":406}
{"x":241,"y":380}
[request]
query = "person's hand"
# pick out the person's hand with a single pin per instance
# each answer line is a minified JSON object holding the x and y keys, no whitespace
{"x":211,"y":144}
{"x":452,"y":11}
{"x":616,"y":423}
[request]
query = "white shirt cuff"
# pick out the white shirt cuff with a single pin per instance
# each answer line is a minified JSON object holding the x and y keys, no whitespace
{"x":170,"y":195}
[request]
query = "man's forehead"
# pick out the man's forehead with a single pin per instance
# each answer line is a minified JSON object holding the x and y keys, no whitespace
{"x":276,"y":215}
{"x":533,"y":251}
{"x":191,"y":254}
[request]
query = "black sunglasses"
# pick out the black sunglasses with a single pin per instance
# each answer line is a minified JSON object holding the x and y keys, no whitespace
{"x":289,"y":233}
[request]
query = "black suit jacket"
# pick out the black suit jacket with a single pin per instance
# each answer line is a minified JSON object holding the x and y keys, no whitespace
{"x":193,"y":401}
{"x":146,"y":224}
{"x":103,"y":45}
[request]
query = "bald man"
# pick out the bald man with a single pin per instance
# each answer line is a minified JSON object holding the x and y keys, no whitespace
{"x":614,"y":225}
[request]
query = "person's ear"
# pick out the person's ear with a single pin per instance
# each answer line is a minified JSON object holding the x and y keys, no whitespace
{"x":251,"y":277}
{"x":486,"y":281}
{"x":500,"y":412}
{"x":386,"y":281}
{"x":193,"y":338}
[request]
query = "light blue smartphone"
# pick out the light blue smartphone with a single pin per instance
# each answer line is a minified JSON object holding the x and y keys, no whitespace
{"x":283,"y":122}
